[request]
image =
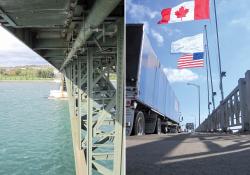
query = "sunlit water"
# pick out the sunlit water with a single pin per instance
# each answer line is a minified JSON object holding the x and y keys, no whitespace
{"x":35,"y":137}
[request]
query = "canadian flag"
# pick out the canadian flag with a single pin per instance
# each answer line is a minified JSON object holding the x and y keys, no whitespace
{"x":186,"y":11}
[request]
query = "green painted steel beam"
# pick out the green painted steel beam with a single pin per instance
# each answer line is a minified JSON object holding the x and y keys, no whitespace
{"x":97,"y":15}
{"x":7,"y":18}
{"x":89,"y":110}
{"x":119,"y":125}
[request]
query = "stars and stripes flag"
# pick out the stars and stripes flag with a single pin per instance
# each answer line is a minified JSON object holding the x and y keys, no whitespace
{"x":193,"y":60}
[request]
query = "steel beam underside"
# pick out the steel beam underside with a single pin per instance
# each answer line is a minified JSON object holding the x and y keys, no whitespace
{"x":94,"y":79}
{"x":95,"y":86}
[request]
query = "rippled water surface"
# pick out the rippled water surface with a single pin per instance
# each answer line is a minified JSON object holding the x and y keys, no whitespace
{"x":35,"y":135}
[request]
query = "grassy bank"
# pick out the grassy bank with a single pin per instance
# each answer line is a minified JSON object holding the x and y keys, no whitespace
{"x":23,"y":78}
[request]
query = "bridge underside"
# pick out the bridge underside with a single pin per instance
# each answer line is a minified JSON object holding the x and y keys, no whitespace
{"x":84,"y":40}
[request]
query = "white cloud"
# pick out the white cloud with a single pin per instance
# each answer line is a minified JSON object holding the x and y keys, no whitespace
{"x":171,"y":31}
{"x":158,"y":37}
{"x":138,"y":11}
{"x":229,"y":6}
{"x":241,"y":22}
{"x":143,"y":14}
{"x":13,"y":52}
{"x":146,"y":26}
{"x":180,"y":75}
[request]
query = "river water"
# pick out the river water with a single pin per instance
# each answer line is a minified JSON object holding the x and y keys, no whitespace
{"x":35,"y":136}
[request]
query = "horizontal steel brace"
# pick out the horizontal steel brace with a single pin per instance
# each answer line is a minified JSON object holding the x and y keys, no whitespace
{"x":7,"y":18}
{"x":103,"y":156}
{"x":102,"y":168}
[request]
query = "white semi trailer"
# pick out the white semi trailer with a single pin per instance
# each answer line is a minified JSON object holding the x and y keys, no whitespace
{"x":151,"y":105}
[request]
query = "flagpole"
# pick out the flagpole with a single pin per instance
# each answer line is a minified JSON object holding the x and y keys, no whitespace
{"x":219,"y":57}
{"x":208,"y":87}
{"x":209,"y":66}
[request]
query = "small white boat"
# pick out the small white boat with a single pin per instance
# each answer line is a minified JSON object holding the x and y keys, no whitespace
{"x":57,"y":80}
{"x":58,"y":94}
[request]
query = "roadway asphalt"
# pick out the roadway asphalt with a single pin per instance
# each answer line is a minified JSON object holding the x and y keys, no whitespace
{"x":188,"y":154}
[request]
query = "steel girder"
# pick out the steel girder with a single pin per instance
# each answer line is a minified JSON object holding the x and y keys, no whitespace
{"x":97,"y":15}
{"x":95,"y":85}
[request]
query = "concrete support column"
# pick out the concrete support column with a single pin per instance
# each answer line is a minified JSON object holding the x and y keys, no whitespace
{"x":243,"y":104}
{"x":214,"y":121}
{"x":247,"y":102}
{"x":223,"y":124}
{"x":210,"y":124}
{"x":206,"y":126}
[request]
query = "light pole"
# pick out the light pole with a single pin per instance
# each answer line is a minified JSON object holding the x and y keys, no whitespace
{"x":199,"y":99}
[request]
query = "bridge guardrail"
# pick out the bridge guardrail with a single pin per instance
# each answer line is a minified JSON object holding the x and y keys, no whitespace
{"x":233,"y":111}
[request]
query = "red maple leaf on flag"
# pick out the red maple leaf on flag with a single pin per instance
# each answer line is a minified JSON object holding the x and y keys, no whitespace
{"x":182,"y":12}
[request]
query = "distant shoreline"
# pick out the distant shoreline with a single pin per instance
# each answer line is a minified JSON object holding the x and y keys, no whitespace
{"x":28,"y":81}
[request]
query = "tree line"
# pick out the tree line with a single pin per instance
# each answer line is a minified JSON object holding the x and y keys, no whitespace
{"x":27,"y":72}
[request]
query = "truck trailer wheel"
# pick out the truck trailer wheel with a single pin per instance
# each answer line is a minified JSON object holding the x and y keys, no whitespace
{"x":139,"y":125}
{"x":158,"y":126}
{"x":165,"y":129}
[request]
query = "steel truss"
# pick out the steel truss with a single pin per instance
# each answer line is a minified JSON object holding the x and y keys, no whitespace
{"x":95,"y":86}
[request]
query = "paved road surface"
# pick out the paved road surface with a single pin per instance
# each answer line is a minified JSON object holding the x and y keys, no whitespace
{"x":188,"y":154}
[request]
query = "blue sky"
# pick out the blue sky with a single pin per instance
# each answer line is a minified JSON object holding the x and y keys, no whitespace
{"x":234,"y":34}
{"x":15,"y":53}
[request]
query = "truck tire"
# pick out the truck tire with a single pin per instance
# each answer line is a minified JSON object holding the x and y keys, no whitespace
{"x":150,"y":123}
{"x":139,"y":125}
{"x":165,"y":129}
{"x":158,"y":126}
{"x":173,"y":130}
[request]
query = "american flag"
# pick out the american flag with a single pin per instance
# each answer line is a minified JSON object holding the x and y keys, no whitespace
{"x":191,"y":60}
